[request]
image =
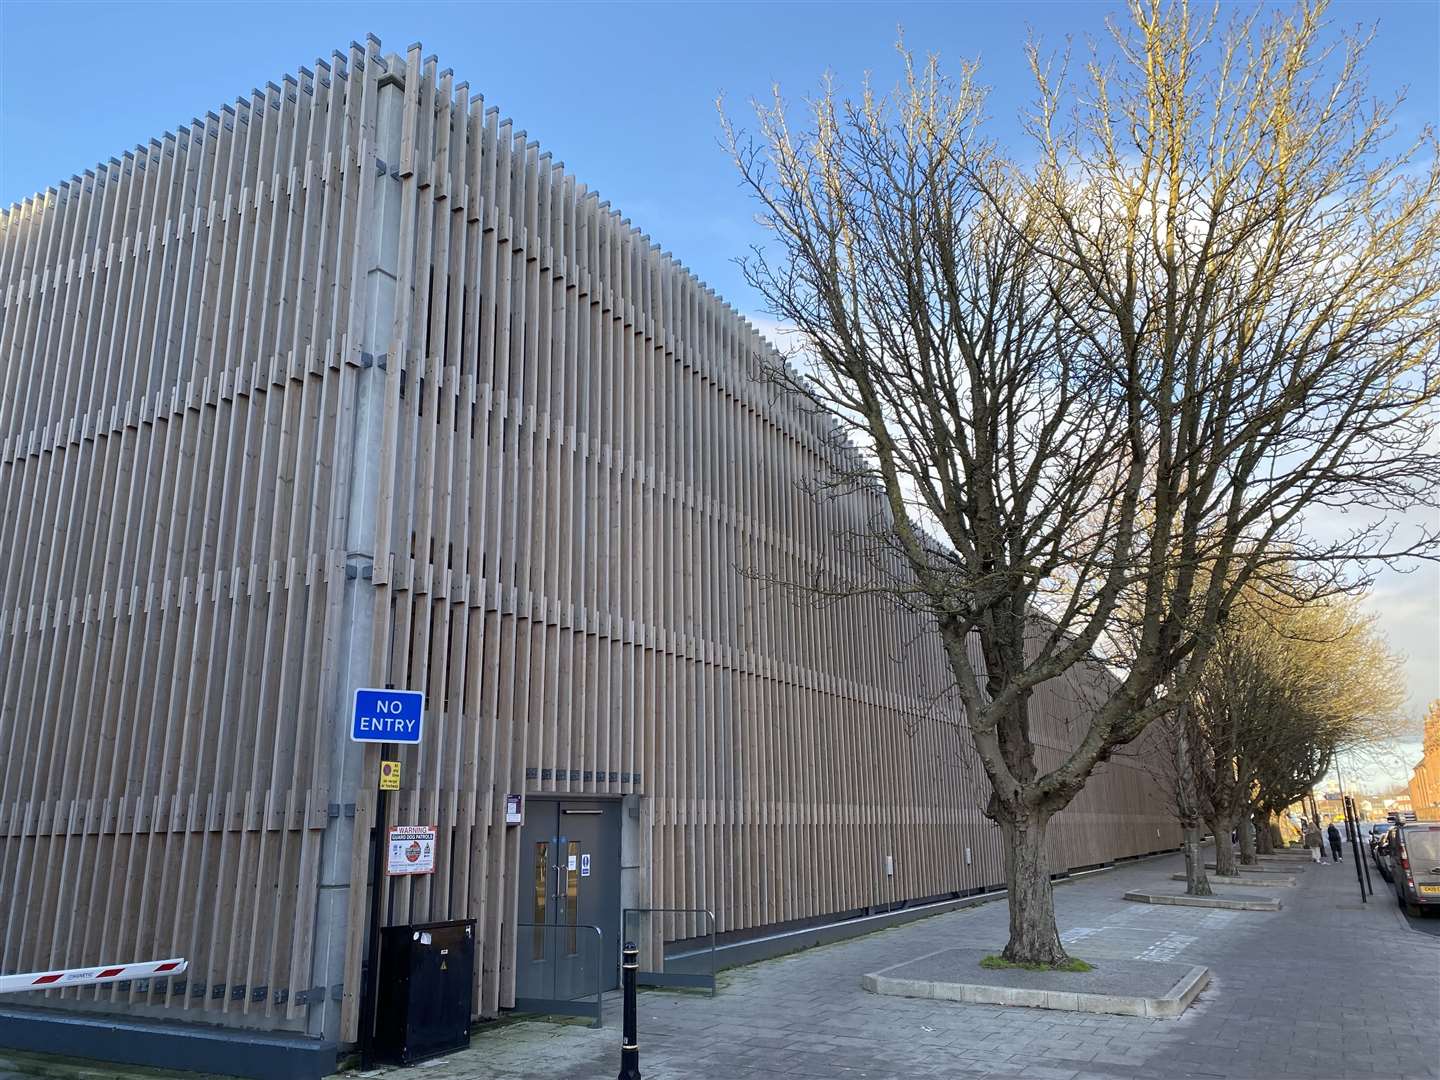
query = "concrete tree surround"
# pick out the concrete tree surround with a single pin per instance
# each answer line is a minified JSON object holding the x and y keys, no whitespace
{"x":1124,"y":987}
{"x":1232,"y":903}
{"x":1270,"y":882}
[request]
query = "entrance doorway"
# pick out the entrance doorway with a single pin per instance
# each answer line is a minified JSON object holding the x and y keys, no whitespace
{"x":569,"y":881}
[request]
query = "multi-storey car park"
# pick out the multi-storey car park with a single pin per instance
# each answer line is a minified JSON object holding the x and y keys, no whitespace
{"x":351,"y":384}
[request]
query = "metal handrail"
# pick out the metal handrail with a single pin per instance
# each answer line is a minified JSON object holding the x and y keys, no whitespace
{"x":568,"y":1006}
{"x":662,"y":978}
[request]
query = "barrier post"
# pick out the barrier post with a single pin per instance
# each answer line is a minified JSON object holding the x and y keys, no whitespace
{"x":629,"y":1041}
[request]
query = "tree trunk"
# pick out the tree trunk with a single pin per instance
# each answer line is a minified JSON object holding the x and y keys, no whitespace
{"x":1224,"y":853}
{"x":1197,"y":882}
{"x":1264,"y":833}
{"x":1034,"y":938}
{"x":1247,"y":841}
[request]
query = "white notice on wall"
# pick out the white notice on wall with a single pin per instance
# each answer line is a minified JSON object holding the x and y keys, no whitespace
{"x":411,"y":850}
{"x":570,"y":865}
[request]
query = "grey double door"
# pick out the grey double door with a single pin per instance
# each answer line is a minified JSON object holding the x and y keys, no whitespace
{"x":569,"y":882}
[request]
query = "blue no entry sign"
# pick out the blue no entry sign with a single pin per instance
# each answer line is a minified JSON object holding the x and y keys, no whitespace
{"x":387,"y":715}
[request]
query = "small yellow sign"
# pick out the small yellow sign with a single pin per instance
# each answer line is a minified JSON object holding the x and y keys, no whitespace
{"x":389,"y":776}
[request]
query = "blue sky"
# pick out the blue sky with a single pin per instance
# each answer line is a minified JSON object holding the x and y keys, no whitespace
{"x":622,"y":93}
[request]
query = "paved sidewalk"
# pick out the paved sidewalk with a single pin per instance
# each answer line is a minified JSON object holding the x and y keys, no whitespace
{"x":1325,"y":988}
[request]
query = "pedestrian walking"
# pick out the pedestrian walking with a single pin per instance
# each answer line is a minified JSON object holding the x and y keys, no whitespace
{"x":1313,"y":840}
{"x":1334,"y":835}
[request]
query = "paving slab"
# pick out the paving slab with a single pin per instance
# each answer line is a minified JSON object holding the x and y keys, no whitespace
{"x":1230,"y":903}
{"x":1268,"y":882}
{"x":1123,"y":987}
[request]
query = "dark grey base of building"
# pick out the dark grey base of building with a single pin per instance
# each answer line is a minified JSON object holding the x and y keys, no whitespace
{"x":192,"y":1048}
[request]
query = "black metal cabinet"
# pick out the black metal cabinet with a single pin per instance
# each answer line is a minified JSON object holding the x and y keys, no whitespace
{"x":427,"y":972}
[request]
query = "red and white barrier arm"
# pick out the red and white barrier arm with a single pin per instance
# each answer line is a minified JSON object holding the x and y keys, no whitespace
{"x":91,"y":976}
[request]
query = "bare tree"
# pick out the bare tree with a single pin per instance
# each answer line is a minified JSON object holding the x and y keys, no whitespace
{"x":1286,"y":688}
{"x":1241,"y":711}
{"x":1114,"y":383}
{"x":1174,"y":769}
{"x":1283,"y":779}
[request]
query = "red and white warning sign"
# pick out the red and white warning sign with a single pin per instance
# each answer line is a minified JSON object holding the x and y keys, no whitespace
{"x":91,"y":976}
{"x":411,"y":850}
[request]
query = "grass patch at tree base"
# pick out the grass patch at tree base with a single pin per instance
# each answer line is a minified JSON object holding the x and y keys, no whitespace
{"x":999,"y":963}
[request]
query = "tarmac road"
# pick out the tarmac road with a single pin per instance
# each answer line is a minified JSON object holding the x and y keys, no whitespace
{"x":1426,"y":924}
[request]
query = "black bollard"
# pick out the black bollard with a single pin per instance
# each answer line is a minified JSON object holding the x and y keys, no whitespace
{"x":629,"y":1042}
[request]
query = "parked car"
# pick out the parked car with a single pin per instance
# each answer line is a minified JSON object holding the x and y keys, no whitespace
{"x":1382,"y":856}
{"x":1414,"y":856}
{"x":1377,"y":832}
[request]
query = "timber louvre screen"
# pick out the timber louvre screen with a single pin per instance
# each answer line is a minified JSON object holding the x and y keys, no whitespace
{"x":351,"y":384}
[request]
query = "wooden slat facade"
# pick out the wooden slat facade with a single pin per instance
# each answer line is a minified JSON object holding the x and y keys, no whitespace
{"x":351,"y":383}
